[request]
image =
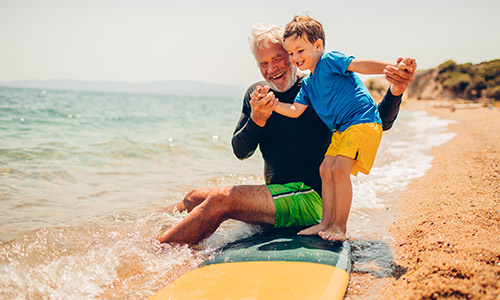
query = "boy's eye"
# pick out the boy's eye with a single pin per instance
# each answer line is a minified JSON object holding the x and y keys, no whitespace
{"x":300,"y":51}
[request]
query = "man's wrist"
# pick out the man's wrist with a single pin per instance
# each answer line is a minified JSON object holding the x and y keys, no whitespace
{"x":395,"y":91}
{"x":259,"y":121}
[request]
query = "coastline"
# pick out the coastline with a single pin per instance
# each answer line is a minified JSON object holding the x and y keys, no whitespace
{"x":447,"y":235}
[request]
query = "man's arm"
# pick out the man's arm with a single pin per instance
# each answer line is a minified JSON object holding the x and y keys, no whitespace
{"x":258,"y":105}
{"x":400,"y":80}
{"x":245,"y":137}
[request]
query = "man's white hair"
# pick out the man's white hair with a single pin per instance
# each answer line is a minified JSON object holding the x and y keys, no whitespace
{"x":265,"y":36}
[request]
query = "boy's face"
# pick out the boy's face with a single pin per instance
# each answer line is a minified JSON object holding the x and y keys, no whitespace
{"x":276,"y":68}
{"x":302,"y":53}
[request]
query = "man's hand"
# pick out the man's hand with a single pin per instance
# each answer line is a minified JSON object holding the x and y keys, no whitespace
{"x":262,"y":102}
{"x":400,"y":78}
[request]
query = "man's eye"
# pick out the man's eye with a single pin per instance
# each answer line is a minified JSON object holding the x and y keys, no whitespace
{"x":263,"y":65}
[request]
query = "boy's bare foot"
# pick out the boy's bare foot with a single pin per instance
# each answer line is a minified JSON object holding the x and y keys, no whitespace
{"x":333,"y":234}
{"x":313,"y":230}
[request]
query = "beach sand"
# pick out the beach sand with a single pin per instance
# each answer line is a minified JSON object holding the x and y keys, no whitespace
{"x":448,"y":230}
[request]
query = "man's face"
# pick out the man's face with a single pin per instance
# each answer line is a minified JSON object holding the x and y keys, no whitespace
{"x":276,"y":68}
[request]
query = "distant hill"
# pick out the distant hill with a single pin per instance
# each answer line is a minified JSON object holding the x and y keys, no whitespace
{"x":451,"y":81}
{"x":178,"y":87}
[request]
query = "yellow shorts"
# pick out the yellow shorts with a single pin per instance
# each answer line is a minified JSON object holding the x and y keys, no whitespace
{"x":359,"y":142}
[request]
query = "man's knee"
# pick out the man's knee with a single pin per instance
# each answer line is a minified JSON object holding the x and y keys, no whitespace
{"x":194,"y":198}
{"x":220,"y":200}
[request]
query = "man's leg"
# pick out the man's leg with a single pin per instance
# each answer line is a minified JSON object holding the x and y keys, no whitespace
{"x":192,"y":199}
{"x":248,"y":203}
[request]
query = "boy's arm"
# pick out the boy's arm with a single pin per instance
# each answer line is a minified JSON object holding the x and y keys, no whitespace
{"x":292,"y":110}
{"x":366,"y":66}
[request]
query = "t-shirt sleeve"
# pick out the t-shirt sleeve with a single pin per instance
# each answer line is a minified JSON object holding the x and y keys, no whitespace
{"x":337,"y":62}
{"x":303,"y":97}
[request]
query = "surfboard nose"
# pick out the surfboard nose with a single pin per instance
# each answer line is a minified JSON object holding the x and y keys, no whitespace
{"x":259,"y":280}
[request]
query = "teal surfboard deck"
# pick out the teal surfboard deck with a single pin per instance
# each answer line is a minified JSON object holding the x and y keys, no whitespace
{"x":285,"y":245}
{"x":274,"y":264}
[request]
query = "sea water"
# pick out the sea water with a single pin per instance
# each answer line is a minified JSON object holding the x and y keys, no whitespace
{"x":84,"y":177}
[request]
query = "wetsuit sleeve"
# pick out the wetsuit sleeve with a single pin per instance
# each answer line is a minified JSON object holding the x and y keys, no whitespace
{"x":389,"y":108}
{"x":246,"y":135}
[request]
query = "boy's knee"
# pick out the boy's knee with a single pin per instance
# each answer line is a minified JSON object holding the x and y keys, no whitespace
{"x":325,"y":170}
{"x":340,"y":172}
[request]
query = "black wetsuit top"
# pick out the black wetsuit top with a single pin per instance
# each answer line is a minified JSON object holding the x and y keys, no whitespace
{"x":293,"y":149}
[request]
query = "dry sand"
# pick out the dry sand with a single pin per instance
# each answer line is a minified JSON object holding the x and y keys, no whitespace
{"x":448,"y":233}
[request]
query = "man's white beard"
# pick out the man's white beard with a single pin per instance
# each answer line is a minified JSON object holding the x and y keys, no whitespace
{"x":291,"y":81}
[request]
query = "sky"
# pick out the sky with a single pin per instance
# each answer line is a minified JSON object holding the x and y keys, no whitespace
{"x":207,"y":40}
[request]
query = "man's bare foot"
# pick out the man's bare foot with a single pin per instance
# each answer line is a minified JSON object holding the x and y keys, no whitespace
{"x":313,"y":230}
{"x":333,"y":234}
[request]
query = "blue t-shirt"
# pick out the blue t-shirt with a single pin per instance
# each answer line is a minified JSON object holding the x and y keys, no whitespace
{"x":338,"y":96}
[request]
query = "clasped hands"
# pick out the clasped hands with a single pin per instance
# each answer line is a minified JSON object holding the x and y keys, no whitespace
{"x":401,"y":75}
{"x":263,"y":103}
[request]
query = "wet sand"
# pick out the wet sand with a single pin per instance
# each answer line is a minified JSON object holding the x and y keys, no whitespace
{"x":447,"y":234}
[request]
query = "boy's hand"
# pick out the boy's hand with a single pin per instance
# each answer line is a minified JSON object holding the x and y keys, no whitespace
{"x":262,"y":102}
{"x":401,"y":75}
{"x":407,"y":64}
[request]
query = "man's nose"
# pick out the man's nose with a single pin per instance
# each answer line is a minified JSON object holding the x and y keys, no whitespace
{"x":271,"y":67}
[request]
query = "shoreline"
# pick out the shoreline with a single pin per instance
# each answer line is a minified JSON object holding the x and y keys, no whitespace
{"x":447,"y":234}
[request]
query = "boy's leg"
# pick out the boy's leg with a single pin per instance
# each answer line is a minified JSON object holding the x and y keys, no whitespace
{"x":248,"y":203}
{"x":328,"y":196}
{"x":341,"y":173}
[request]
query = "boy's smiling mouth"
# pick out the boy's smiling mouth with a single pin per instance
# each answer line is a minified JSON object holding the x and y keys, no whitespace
{"x":299,"y":63}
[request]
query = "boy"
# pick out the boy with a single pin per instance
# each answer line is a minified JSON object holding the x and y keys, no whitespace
{"x":342,"y":101}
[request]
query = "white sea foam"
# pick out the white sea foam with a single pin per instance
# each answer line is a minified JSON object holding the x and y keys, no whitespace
{"x":402,"y":156}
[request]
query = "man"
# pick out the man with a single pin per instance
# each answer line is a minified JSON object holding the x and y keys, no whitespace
{"x":291,"y":196}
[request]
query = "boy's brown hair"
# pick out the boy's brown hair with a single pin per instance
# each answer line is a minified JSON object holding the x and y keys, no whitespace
{"x":305,"y":25}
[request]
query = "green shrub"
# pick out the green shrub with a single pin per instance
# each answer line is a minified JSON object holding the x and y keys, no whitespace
{"x":471,"y":80}
{"x":493,"y":92}
{"x":457,"y":81}
{"x":447,"y":66}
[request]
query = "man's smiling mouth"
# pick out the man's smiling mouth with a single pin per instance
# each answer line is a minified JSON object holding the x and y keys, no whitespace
{"x":277,"y":76}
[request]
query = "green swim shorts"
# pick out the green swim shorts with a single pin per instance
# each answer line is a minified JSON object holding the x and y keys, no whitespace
{"x":296,"y":204}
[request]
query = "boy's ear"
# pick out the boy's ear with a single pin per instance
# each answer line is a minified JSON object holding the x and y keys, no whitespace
{"x":319,"y":45}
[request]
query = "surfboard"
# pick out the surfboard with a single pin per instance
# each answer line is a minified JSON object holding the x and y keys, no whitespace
{"x":274,"y":264}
